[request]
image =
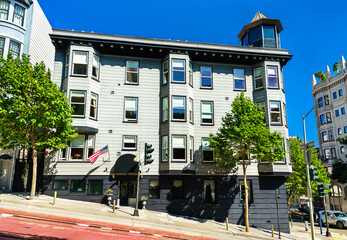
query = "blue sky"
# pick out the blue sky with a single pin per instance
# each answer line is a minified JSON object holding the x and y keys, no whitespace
{"x":313,"y":31}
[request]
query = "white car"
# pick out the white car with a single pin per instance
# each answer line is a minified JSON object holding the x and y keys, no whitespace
{"x":336,"y":218}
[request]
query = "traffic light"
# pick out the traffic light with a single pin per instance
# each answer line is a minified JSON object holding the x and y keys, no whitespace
{"x":148,"y":156}
{"x":320,"y":188}
{"x":313,"y":173}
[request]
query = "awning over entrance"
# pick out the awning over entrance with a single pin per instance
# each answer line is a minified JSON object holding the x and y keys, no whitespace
{"x":125,"y":164}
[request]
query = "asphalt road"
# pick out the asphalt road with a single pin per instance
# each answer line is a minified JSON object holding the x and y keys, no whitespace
{"x":23,"y":225}
{"x":299,"y":223}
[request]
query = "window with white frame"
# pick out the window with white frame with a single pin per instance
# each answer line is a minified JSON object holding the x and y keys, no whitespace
{"x":178,"y":71}
{"x":239,"y":79}
{"x":190,"y":110}
{"x":96,"y":66}
{"x":207,"y":153}
{"x":285,"y":115}
{"x":272,"y":77}
{"x":191,"y":149}
{"x":14,"y":49}
{"x":165,"y":109}
{"x":129,"y":142}
{"x":179,"y":108}
{"x":165,"y":72}
{"x":327,"y":154}
{"x":275,"y":112}
{"x":190,"y":74}
{"x":132,"y":70}
{"x":258,"y":78}
{"x":2,"y":45}
{"x":66,"y":68}
{"x":93,"y":106}
{"x":130,"y":109}
{"x":206,"y":77}
{"x":179,"y":148}
{"x":206,"y":112}
{"x":325,"y":136}
{"x":77,"y":148}
{"x":91,"y":145}
{"x":261,"y":106}
{"x":18,"y":15}
{"x":4,"y":9}
{"x":80,"y":63}
{"x":165,"y":148}
{"x":78,"y":103}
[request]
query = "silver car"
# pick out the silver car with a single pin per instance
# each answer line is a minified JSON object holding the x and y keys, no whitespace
{"x":336,"y":218}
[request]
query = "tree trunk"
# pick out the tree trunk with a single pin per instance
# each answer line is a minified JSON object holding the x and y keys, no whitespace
{"x":246,"y":192}
{"x":33,"y":181}
{"x":288,"y":201}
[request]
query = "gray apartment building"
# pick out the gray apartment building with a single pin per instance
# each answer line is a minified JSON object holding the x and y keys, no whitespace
{"x":331,"y":100}
{"x":128,"y":91}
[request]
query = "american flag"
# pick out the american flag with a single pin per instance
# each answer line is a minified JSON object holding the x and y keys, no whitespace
{"x":95,"y":155}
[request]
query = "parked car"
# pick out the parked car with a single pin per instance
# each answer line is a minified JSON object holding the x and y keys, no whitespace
{"x":298,"y":213}
{"x":335,"y":218}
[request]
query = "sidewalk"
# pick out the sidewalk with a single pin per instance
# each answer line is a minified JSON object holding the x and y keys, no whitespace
{"x":147,"y":219}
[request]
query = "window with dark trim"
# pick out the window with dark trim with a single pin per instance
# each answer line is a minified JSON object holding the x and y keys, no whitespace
{"x":165,"y":72}
{"x":331,"y":135}
{"x":18,"y":15}
{"x":60,"y":184}
{"x":179,"y":108}
{"x":177,"y":189}
{"x":165,"y":109}
{"x":132,"y":72}
{"x":78,"y":103}
{"x":275,"y":112}
{"x":206,"y":77}
{"x":261,"y":106}
{"x":4,"y":9}
{"x":326,"y":102}
{"x":242,"y":191}
{"x":93,"y":106}
{"x":130,"y":109}
{"x":272,"y":77}
{"x":333,"y":153}
{"x":325,"y":136}
{"x":14,"y":49}
{"x":129,"y":142}
{"x":326,"y":154}
{"x":154,"y":188}
{"x":190,"y":74}
{"x":328,"y":115}
{"x":334,"y":95}
{"x":239,"y":79}
{"x":66,"y":67}
{"x":337,"y":113}
{"x":345,"y":129}
{"x":164,"y":148}
{"x":2,"y":44}
{"x":190,"y":110}
{"x":78,"y":185}
{"x":191,"y":149}
{"x":209,"y":191}
{"x":258,"y":78}
{"x":207,"y":113}
{"x":178,"y":71}
{"x":79,"y":147}
{"x":285,"y":115}
{"x":80,"y":63}
{"x":95,"y":187}
{"x":343,"y":111}
{"x":207,"y":153}
{"x":96,"y":66}
{"x":179,"y":148}
{"x":320,"y":102}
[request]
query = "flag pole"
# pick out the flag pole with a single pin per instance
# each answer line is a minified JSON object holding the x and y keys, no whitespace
{"x":136,"y":211}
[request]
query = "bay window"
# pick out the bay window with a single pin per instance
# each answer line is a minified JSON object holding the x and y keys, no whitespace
{"x":275,"y":112}
{"x":2,"y":46}
{"x":165,"y":72}
{"x":165,"y":148}
{"x":18,"y":15}
{"x":78,"y":103}
{"x":165,"y":109}
{"x":77,"y":148}
{"x":80,"y":63}
{"x":179,"y":108}
{"x":66,"y":67}
{"x":190,"y":74}
{"x":178,"y":71}
{"x":258,"y":78}
{"x":14,"y":49}
{"x":272,"y":77}
{"x":179,"y":148}
{"x":190,"y":110}
{"x":96,"y":66}
{"x":191,"y":149}
{"x":93,"y":106}
{"x":4,"y":9}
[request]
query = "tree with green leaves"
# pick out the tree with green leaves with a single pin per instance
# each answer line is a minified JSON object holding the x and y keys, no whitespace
{"x":336,"y":67}
{"x":320,"y":75}
{"x":34,"y":114}
{"x":296,"y":184}
{"x":244,"y":136}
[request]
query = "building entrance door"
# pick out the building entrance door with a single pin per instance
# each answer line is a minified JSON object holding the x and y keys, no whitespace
{"x":128,"y":192}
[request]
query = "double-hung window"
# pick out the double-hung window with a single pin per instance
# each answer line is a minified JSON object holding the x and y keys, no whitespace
{"x":207,"y":153}
{"x":18,"y":15}
{"x":209,"y":191}
{"x":165,"y":109}
{"x":96,"y":66}
{"x":129,"y":142}
{"x":179,"y":108}
{"x":178,"y":71}
{"x":340,"y":93}
{"x":272,"y":77}
{"x":320,"y":102}
{"x":165,"y":72}
{"x":206,"y":77}
{"x":2,"y":45}
{"x":164,"y":148}
{"x":77,"y":148}
{"x":190,"y":74}
{"x":275,"y":112}
{"x":258,"y":78}
{"x":325,"y":136}
{"x":4,"y":9}
{"x":66,"y":67}
{"x":130,"y":109}
{"x":206,"y":113}
{"x":132,"y":72}
{"x":327,"y":154}
{"x":239,"y":79}
{"x":14,"y":48}
{"x":78,"y":103}
{"x":191,"y":149}
{"x":91,"y":145}
{"x":190,"y":107}
{"x":80,"y":63}
{"x":179,"y":148}
{"x":285,"y":115}
{"x":93,"y":106}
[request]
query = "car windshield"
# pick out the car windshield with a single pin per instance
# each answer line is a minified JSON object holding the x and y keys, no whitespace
{"x":340,"y":214}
